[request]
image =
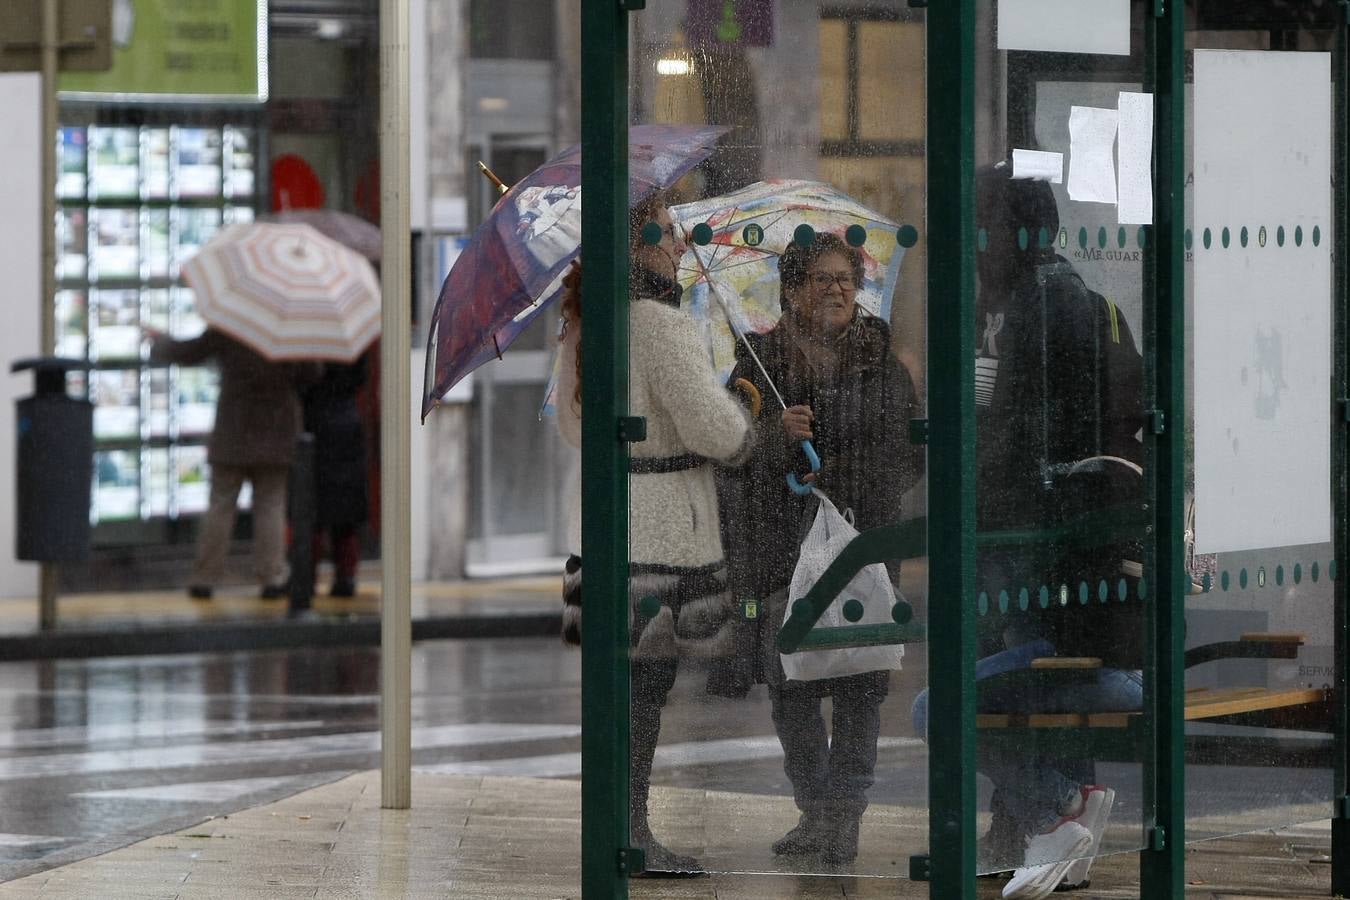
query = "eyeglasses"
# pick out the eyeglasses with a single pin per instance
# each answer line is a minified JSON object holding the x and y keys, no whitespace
{"x":821,"y":281}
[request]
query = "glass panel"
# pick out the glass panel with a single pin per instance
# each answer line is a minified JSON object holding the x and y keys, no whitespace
{"x":1259,"y":622}
{"x":809,"y":762}
{"x":1060,"y":495}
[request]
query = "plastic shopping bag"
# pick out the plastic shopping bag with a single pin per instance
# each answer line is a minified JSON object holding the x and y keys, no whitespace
{"x":829,"y":535}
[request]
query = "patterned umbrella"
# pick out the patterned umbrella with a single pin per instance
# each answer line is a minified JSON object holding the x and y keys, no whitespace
{"x":287,"y":291}
{"x":734,"y":259}
{"x":513,"y":266}
{"x":345,"y":228}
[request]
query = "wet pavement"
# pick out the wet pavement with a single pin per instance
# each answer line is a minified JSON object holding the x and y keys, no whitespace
{"x":98,"y":754}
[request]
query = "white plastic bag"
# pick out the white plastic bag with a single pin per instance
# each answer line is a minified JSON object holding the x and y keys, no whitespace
{"x":829,"y":535}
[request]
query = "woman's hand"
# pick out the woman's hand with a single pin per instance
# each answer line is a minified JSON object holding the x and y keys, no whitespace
{"x":797,"y":423}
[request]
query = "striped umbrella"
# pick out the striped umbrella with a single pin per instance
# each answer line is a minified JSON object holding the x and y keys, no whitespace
{"x":287,"y":291}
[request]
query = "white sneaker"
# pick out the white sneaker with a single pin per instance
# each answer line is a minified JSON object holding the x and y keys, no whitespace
{"x":1049,"y":856}
{"x":1097,"y":802}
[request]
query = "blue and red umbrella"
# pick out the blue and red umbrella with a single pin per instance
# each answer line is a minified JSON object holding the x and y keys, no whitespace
{"x":514,"y":264}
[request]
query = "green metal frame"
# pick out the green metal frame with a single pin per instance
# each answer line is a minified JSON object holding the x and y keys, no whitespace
{"x":951,"y":448}
{"x":604,"y":458}
{"x":1340,"y":462}
{"x":1162,"y":864}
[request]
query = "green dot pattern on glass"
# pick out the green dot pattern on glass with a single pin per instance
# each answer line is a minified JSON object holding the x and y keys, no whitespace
{"x":1103,"y":592}
{"x":1023,"y":599}
{"x":651,"y":234}
{"x":1043,"y":597}
{"x":982,"y":239}
{"x":1101,"y":238}
{"x":1121,"y":237}
{"x":1225,"y":237}
{"x":1083,"y":593}
{"x":804,"y":235}
{"x":1223,"y":580}
{"x":1279,"y":236}
{"x":1189,"y":239}
{"x":1143,"y":588}
{"x":1242,"y":579}
{"x":1022,"y":239}
{"x":1208,"y":584}
{"x":753,"y":235}
{"x":1298,"y":573}
{"x":902,"y":613}
{"x":908,"y":236}
{"x":702,"y":234}
{"x":1314,"y":572}
{"x":1207,"y":239}
{"x":853,"y":609}
{"x":1317,"y":235}
{"x":1298,"y":235}
{"x":1279,"y":575}
{"x":1141,"y":237}
{"x":649,"y":606}
{"x":1082,"y":238}
{"x":983,"y":603}
{"x":1122,"y":591}
{"x":1242,"y":236}
{"x":1043,"y":237}
{"x":855,"y":235}
{"x":1002,"y":601}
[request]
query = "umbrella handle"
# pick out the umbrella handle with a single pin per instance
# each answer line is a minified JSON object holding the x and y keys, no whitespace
{"x":814,"y":459}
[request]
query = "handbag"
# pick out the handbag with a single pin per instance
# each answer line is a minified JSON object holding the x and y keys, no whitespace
{"x":830,"y":533}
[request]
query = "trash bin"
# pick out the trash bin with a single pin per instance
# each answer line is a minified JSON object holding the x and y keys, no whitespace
{"x":54,"y":466}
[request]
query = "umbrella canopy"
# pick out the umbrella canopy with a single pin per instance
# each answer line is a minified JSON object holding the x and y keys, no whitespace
{"x":287,"y":291}
{"x":733,"y":262}
{"x":513,"y":265}
{"x":345,"y":228}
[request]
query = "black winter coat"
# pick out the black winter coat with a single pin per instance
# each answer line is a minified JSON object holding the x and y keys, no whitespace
{"x":332,"y":417}
{"x":862,"y":413}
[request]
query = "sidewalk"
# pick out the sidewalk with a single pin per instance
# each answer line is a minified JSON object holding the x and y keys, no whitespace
{"x":518,"y":838}
{"x":146,"y":622}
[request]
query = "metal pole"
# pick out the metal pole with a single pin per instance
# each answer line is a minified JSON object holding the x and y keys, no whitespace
{"x":1162,"y":864}
{"x":51,"y":51}
{"x":951,"y":456}
{"x":605,"y":861}
{"x":395,"y":414}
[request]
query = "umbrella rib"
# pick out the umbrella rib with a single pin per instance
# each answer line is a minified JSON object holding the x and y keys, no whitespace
{"x":744,"y":340}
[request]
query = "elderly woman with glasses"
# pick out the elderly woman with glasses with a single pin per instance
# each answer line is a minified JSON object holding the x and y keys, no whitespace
{"x":845,"y":392}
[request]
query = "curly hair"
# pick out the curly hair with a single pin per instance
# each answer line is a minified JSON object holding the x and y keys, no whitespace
{"x":796,"y":262}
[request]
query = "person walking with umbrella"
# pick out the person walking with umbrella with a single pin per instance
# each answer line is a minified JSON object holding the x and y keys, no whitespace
{"x":253,"y":439}
{"x":675,"y":546}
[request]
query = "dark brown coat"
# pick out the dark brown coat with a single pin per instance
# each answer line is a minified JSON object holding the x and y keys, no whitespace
{"x":258,"y":416}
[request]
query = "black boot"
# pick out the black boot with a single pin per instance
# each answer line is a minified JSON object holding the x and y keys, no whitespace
{"x":808,"y":837}
{"x":661,"y":862}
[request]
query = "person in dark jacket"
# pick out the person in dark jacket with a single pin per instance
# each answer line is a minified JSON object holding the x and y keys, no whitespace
{"x":1058,"y":405}
{"x":256,"y":427}
{"x":848,"y":394}
{"x":341,"y":503}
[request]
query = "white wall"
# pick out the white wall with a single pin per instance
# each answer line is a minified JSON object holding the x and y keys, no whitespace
{"x":20,"y":297}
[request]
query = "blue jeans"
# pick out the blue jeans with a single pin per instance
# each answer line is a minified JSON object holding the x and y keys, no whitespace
{"x":1034,"y":787}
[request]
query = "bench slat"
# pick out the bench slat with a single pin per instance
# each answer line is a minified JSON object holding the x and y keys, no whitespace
{"x":1201,"y":703}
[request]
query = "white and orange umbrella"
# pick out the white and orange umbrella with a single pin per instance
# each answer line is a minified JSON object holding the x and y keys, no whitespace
{"x":287,"y":291}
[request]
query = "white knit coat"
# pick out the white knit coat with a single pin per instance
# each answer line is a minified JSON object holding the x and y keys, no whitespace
{"x":673,"y":517}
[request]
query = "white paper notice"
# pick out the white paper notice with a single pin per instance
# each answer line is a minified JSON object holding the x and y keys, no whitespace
{"x":1134,"y":183}
{"x":1065,"y":26}
{"x":1092,"y":163}
{"x":1262,"y":295}
{"x":1040,"y":165}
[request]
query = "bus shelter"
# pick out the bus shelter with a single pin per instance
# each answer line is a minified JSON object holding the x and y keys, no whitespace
{"x":1074,"y":360}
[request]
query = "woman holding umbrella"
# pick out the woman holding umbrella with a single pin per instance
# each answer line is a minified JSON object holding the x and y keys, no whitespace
{"x":680,"y":605}
{"x":844,"y":391}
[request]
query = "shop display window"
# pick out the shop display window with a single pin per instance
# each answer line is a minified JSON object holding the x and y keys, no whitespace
{"x":135,"y":202}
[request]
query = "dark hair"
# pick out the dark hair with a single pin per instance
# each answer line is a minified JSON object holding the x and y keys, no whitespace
{"x":796,"y":261}
{"x":639,"y":215}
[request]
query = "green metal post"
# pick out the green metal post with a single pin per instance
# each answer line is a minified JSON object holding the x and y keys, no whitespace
{"x":1340,"y":461}
{"x":951,"y":456}
{"x":1162,"y":864}
{"x":604,"y":458}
